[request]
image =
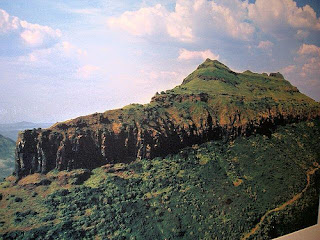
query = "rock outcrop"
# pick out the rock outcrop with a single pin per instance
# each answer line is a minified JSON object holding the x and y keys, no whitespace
{"x":276,"y":75}
{"x":190,"y":114}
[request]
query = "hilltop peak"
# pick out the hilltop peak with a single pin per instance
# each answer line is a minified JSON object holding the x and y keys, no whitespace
{"x":276,"y":75}
{"x":216,"y":72}
{"x":212,"y":70}
{"x":208,"y":63}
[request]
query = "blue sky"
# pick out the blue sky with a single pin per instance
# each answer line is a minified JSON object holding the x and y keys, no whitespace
{"x":61,"y":59}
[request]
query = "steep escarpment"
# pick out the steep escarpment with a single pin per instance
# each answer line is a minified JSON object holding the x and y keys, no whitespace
{"x":212,"y":103}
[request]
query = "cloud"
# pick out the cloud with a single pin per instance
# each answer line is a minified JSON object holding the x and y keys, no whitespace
{"x":32,"y":34}
{"x":309,"y":57}
{"x":289,"y":69}
{"x":53,"y":55}
{"x":43,"y":52}
{"x":311,"y":68}
{"x":35,"y":34}
{"x":57,"y":63}
{"x":87,"y":71}
{"x":189,"y":21}
{"x":307,"y":49}
{"x":184,"y":54}
{"x":196,"y":19}
{"x":277,"y":16}
{"x":145,"y":21}
{"x":305,"y":73}
{"x":266,"y":45}
{"x":7,"y":22}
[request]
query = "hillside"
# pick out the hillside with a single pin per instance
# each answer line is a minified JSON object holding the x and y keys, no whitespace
{"x":212,"y":103}
{"x":255,"y":187}
{"x":7,"y":147}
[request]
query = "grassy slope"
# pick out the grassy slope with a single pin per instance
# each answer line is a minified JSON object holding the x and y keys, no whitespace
{"x":247,"y":84}
{"x":245,"y":91}
{"x":7,"y":147}
{"x":218,"y":190}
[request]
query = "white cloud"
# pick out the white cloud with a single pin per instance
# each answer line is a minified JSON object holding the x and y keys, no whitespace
{"x":309,"y":57}
{"x":231,"y":17}
{"x":145,"y":21}
{"x":289,"y":69}
{"x":7,"y":22}
{"x":307,"y":49}
{"x":184,"y":54}
{"x":71,"y":50}
{"x":305,"y":73}
{"x":277,"y":16}
{"x":87,"y":71}
{"x":54,"y":54}
{"x":309,"y":60}
{"x":35,"y":34}
{"x":189,"y":21}
{"x":150,"y":21}
{"x":311,"y":67}
{"x":266,"y":45}
{"x":47,"y":50}
{"x":48,"y":55}
{"x":194,"y":19}
{"x":31,"y":34}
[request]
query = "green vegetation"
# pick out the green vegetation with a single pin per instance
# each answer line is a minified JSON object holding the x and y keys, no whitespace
{"x":218,"y":190}
{"x":228,"y":93}
{"x":7,"y":147}
{"x":231,"y":98}
{"x":214,"y":78}
{"x":213,"y":70}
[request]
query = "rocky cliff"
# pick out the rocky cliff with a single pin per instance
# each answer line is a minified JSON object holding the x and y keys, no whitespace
{"x":212,"y":103}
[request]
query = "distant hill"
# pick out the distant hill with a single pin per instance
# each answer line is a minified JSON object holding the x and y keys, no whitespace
{"x":11,"y":130}
{"x":7,"y":147}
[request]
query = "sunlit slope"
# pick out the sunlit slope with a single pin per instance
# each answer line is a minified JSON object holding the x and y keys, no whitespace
{"x":216,"y":79}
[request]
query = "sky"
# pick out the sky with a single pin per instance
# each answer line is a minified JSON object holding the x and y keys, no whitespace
{"x":63,"y":59}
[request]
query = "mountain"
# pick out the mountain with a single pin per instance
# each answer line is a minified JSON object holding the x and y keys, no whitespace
{"x":212,"y":103}
{"x":7,"y":147}
{"x":11,"y":130}
{"x":224,"y":155}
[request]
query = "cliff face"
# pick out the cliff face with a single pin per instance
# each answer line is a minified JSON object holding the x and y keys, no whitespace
{"x":212,"y":103}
